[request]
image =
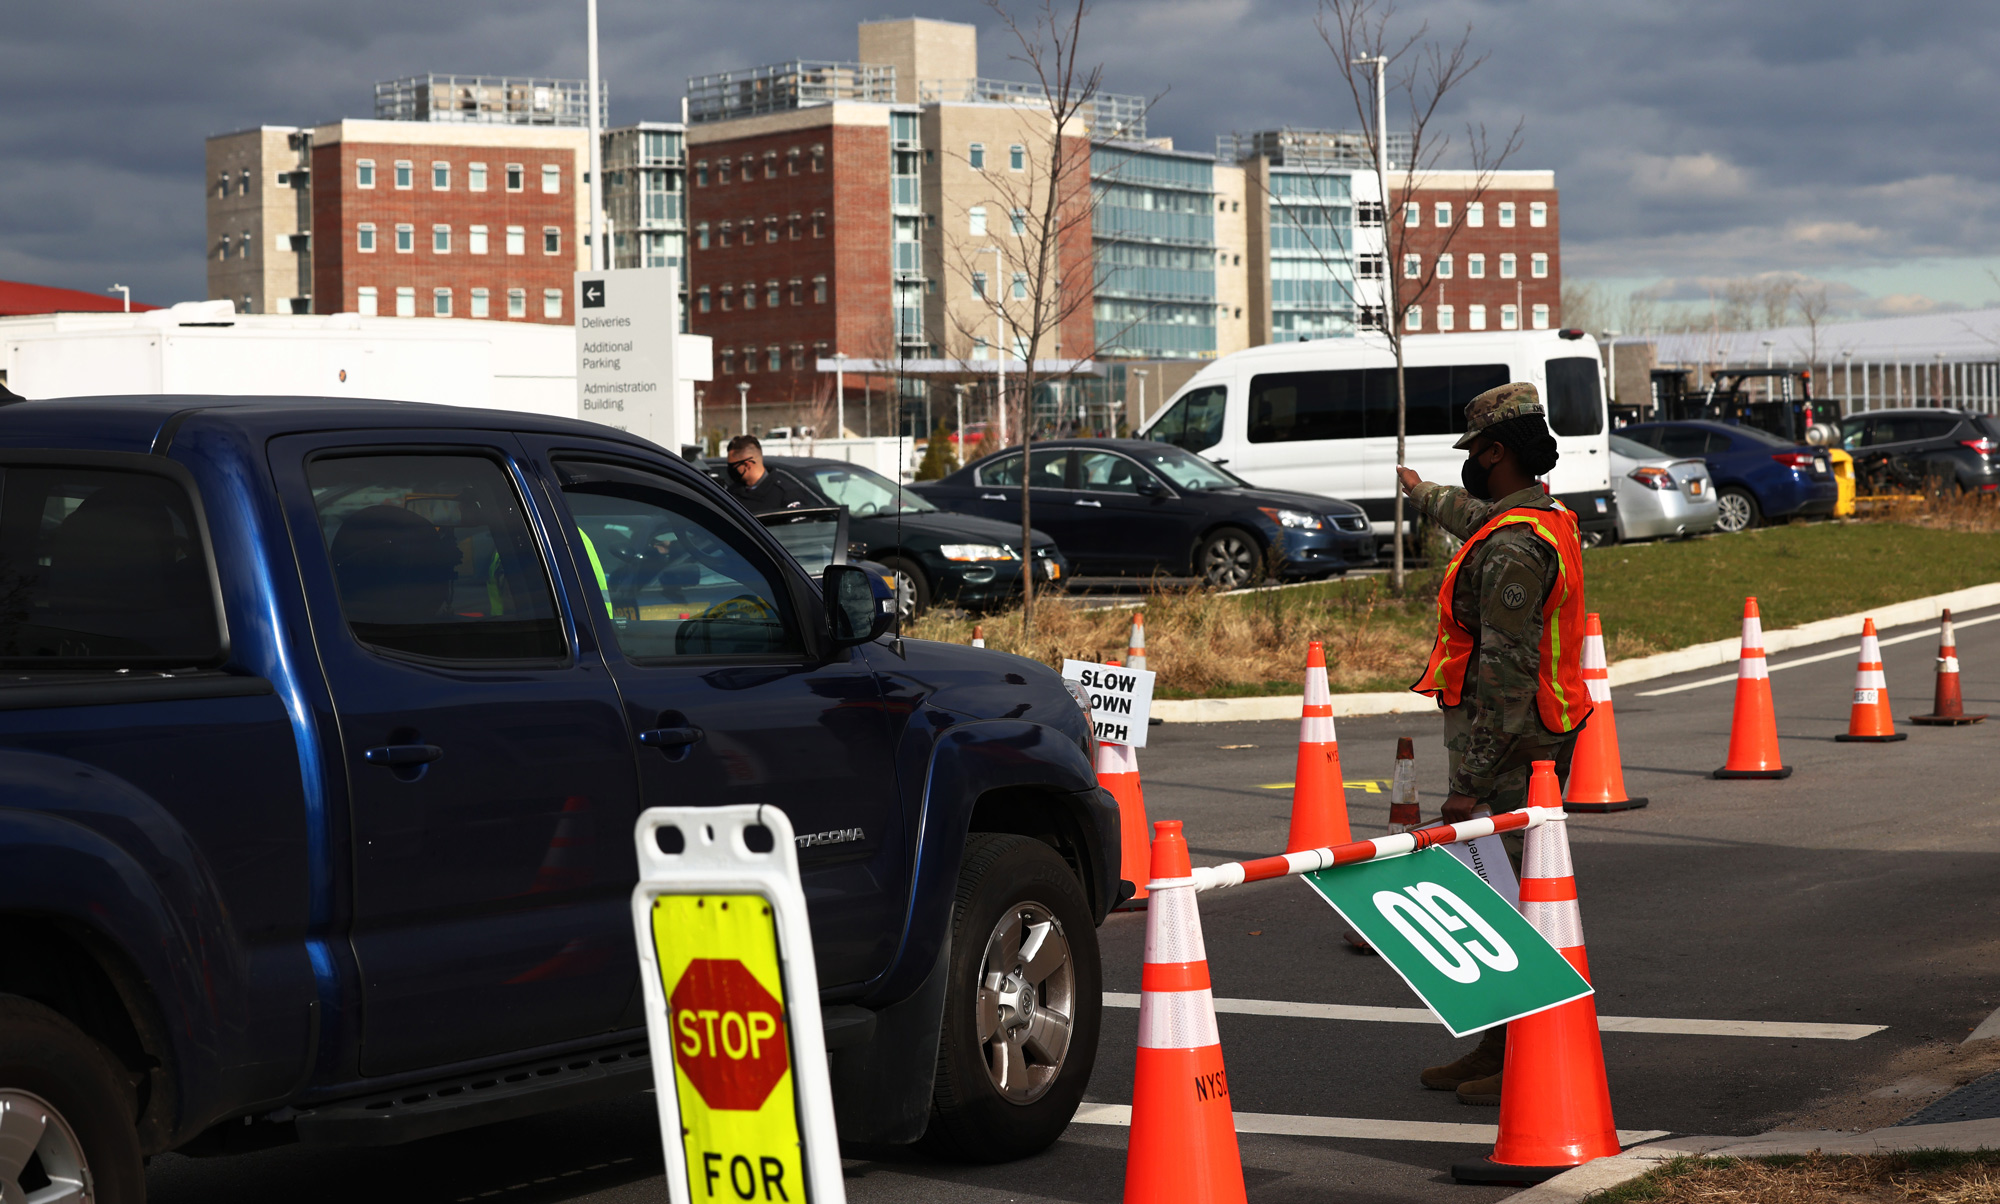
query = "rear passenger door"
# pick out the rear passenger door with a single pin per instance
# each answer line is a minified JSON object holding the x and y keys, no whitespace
{"x":998,"y":495}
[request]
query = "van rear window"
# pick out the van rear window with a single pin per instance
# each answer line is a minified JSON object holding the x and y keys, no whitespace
{"x":1576,"y":406}
{"x":1358,"y":403}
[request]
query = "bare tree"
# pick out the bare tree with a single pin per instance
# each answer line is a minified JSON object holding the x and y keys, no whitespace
{"x":1420,"y":73}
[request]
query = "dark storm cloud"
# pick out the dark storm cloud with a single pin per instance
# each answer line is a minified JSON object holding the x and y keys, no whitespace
{"x":1689,"y":139}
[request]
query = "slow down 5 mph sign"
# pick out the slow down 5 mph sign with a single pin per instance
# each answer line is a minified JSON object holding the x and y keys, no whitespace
{"x":1121,"y":700}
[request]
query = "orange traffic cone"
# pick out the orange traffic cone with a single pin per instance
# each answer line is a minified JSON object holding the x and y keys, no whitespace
{"x":1753,"y":733}
{"x":1555,"y":1106}
{"x":978,"y":636}
{"x":1135,"y":655}
{"x":1319,"y":803}
{"x":1596,"y":772}
{"x":1183,"y":1144}
{"x":1869,"y":720}
{"x":1118,"y":773}
{"x":565,"y":863}
{"x":1947,"y":706}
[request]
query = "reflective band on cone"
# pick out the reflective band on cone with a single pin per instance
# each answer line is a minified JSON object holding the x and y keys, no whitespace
{"x":1869,"y":720}
{"x":1319,"y":803}
{"x":1135,"y":654}
{"x":1753,"y":732}
{"x":1596,"y":771}
{"x":978,"y":636}
{"x":1555,"y":1105}
{"x":1947,"y":705}
{"x":1183,"y":1144}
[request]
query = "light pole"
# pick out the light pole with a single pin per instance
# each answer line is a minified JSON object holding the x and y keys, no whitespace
{"x":598,"y":259}
{"x":840,"y":395}
{"x":1000,"y":332}
{"x":743,"y":408}
{"x":1847,"y":382}
{"x":1141,"y":374}
{"x":119,"y":288}
{"x":700,"y":422}
{"x":958,"y":391}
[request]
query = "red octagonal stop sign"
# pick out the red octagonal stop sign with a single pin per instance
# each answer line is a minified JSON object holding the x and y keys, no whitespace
{"x":729,"y":1034}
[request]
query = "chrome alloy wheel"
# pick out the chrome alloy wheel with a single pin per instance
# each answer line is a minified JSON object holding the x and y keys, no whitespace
{"x":1230,"y":561}
{"x":41,"y":1161}
{"x":906,"y":595}
{"x":1027,"y":1002}
{"x":1735,"y":512}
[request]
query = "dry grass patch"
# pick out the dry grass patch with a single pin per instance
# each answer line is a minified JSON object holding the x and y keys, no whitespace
{"x":1918,"y":1177}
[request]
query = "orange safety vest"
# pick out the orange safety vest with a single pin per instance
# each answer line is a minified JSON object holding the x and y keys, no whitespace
{"x":1560,"y":694}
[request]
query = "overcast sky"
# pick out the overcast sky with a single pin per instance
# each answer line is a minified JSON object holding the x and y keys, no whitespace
{"x":1693,"y":140}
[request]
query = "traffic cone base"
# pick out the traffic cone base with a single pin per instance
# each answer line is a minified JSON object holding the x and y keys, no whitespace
{"x":1847,"y":738}
{"x":1630,"y":804}
{"x":1946,"y":720}
{"x":1782,"y":771}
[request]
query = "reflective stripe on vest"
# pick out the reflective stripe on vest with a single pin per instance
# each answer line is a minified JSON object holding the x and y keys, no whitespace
{"x":1562,"y":699}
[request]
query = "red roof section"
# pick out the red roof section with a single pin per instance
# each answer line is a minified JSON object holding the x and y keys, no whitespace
{"x":17,"y":298}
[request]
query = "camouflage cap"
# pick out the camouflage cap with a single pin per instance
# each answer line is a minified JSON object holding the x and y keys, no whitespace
{"x":1497,"y":405}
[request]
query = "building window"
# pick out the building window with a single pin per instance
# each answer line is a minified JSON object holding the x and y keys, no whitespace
{"x":365,"y":303}
{"x":1445,"y":317}
{"x":1538,"y":213}
{"x":1413,"y":214}
{"x":480,"y":303}
{"x":441,"y":302}
{"x":364,"y":175}
{"x":1413,"y":318}
{"x":1510,"y":318}
{"x":1020,"y":221}
{"x":517,"y":177}
{"x":364,"y":236}
{"x":1540,"y":317}
{"x":819,"y":223}
{"x":976,"y":218}
{"x":406,"y":239}
{"x":243,"y":189}
{"x":818,"y":154}
{"x":1507,"y":213}
{"x":552,"y":303}
{"x":1441,"y":214}
{"x":475,"y":240}
{"x":1368,"y":267}
{"x":475,"y":177}
{"x":1475,"y":317}
{"x":1368,"y":317}
{"x":405,"y":173}
{"x":728,"y":297}
{"x":724,"y":232}
{"x":980,"y":349}
{"x":1538,"y":266}
{"x":729,"y":361}
{"x":702,"y":299}
{"x":1507,"y":265}
{"x":440,"y":240}
{"x":1020,"y":285}
{"x":1475,"y":213}
{"x":1017,"y":157}
{"x":551,"y":240}
{"x":243,"y":246}
{"x":792,"y":161}
{"x":776,"y":360}
{"x":792,"y":227}
{"x":722,"y":171}
{"x":406,"y":302}
{"x":1413,"y":266}
{"x":979,"y":284}
{"x":819,"y":353}
{"x":517,"y":303}
{"x":701,"y":236}
{"x":517,"y":240}
{"x":798,"y":288}
{"x":749,"y":294}
{"x":819,"y":290}
{"x":798,"y":357}
{"x":551,"y":178}
{"x":975,"y":156}
{"x":771,"y":294}
{"x":750,"y":359}
{"x":701,"y":173}
{"x":441,"y":179}
{"x":1368,"y":213}
{"x":1444,"y":266}
{"x":770,"y":229}
{"x":1475,"y":266}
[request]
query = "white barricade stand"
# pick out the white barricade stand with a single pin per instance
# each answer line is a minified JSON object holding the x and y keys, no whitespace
{"x":732,"y":1011}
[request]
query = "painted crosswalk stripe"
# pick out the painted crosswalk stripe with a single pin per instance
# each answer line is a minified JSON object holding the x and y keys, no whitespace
{"x":1769,"y":1029}
{"x":1928,"y":633}
{"x":1279,"y":1124}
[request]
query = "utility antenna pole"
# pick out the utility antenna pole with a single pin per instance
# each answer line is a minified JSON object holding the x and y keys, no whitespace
{"x":599,"y":260}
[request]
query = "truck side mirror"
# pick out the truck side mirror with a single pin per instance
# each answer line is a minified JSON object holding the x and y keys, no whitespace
{"x":857,"y":611}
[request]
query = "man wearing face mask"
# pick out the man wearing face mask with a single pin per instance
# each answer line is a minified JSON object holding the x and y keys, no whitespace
{"x":759,"y":489}
{"x":1506,"y":666}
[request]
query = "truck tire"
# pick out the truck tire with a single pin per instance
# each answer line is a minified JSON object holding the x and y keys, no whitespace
{"x":1021,"y":1007}
{"x":75,"y":1093}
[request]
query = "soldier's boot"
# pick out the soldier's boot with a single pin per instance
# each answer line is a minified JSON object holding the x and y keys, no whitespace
{"x":1483,"y":1093}
{"x":1483,"y":1062}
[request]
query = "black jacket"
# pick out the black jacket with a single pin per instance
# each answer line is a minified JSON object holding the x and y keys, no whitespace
{"x":773,"y":492}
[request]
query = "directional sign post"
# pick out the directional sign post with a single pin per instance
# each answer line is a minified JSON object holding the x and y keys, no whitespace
{"x":1464,"y":951}
{"x":627,"y":338}
{"x":1121,"y":700}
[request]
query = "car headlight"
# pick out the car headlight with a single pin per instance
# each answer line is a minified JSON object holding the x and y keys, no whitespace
{"x":976,"y":551}
{"x":1293,"y":520}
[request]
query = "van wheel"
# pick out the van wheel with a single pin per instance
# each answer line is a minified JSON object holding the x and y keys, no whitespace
{"x":1738,"y":511}
{"x":66,"y":1125}
{"x":1229,"y":558}
{"x":1021,"y":1007}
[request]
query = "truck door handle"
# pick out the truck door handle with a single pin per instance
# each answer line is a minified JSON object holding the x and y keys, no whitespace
{"x":400,"y":756}
{"x":1088,"y":502}
{"x":992,"y":497}
{"x":666,"y":738}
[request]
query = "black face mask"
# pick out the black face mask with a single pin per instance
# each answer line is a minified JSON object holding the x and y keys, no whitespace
{"x":1476,"y":477}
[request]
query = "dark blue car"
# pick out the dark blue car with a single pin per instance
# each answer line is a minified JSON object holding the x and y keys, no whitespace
{"x":1758,"y":476}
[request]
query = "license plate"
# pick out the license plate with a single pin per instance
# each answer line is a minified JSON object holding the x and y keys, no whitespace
{"x":1819,"y":466}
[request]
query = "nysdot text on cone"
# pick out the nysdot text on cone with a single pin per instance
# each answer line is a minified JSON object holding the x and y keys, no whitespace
{"x":1753,"y":728}
{"x":1182,"y":1148}
{"x":1596,"y":770}
{"x":1947,"y":704}
{"x":1555,"y":1103}
{"x":1319,"y":801}
{"x":1869,"y":720}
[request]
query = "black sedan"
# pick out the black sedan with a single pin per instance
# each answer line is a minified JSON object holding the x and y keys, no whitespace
{"x":1134,"y":506}
{"x":971,"y":561}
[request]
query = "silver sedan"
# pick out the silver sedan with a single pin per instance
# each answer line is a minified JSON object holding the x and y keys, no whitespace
{"x":1660,"y":495}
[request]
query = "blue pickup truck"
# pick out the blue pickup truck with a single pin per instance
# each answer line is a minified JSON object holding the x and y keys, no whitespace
{"x":324,"y":726}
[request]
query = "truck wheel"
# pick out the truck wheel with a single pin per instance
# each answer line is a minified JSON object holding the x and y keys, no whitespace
{"x":65,"y":1112}
{"x":1021,"y":1007}
{"x":913,"y":596}
{"x":1738,"y":511}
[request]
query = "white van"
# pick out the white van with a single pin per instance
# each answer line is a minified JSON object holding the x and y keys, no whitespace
{"x":1320,"y":416}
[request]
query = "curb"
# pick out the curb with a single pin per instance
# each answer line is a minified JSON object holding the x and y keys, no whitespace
{"x":1623,"y":673}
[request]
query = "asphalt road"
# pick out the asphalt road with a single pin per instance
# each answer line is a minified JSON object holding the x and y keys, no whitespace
{"x":1858,"y":891}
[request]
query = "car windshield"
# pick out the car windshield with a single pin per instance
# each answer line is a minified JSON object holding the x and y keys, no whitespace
{"x":865,"y":493}
{"x":1632,"y":449}
{"x":1185,"y":469}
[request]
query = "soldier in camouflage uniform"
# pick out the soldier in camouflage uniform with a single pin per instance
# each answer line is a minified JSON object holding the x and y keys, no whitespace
{"x":1495,"y":733}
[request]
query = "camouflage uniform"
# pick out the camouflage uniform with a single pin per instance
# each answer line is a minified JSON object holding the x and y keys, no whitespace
{"x":1495,"y":733}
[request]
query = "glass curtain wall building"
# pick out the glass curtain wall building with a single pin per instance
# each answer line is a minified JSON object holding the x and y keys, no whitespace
{"x":645,"y":195}
{"x":1153,"y":231}
{"x":1311,"y":254}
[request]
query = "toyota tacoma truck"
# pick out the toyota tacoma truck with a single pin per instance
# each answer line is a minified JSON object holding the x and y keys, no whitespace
{"x":324,"y":728}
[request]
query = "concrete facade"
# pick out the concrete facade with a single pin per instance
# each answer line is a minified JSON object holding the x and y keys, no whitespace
{"x":920,"y":50}
{"x":1232,"y":253}
{"x":259,"y":219}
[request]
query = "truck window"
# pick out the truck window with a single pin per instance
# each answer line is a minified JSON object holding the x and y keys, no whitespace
{"x":1576,"y":406}
{"x":681,"y":578}
{"x":1195,"y":421}
{"x":102,"y":569}
{"x":432,"y":558}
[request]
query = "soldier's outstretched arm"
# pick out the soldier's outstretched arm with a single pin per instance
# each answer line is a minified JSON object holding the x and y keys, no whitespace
{"x":1514,"y":582}
{"x":1446,"y":505}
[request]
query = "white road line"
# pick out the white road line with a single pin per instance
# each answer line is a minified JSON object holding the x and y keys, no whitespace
{"x":1824,"y":656}
{"x":1277,"y":1123}
{"x":1770,"y":1029}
